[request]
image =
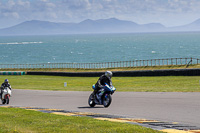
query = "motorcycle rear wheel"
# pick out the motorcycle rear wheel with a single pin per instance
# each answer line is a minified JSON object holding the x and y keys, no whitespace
{"x":3,"y":101}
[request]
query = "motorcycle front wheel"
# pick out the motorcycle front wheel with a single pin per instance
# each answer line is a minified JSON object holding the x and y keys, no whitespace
{"x":91,"y":100}
{"x":7,"y":100}
{"x":107,"y":100}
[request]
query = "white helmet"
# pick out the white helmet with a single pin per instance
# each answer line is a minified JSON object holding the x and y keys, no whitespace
{"x":108,"y":74}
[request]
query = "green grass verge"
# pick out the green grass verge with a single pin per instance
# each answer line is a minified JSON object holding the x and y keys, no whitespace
{"x":21,"y":120}
{"x":139,"y":84}
{"x":105,"y":69}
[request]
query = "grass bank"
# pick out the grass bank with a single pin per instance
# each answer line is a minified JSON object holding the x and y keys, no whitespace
{"x":21,"y":120}
{"x":139,"y":84}
{"x":105,"y":69}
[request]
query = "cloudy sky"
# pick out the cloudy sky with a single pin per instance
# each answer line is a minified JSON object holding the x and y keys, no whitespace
{"x":167,"y":12}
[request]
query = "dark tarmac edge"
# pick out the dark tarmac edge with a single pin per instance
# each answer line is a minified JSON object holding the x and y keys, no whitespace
{"x":169,"y":127}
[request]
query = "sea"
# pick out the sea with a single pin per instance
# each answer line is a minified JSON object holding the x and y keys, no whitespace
{"x":97,"y":48}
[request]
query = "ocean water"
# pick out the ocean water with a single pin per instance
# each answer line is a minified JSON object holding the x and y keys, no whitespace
{"x":98,"y":47}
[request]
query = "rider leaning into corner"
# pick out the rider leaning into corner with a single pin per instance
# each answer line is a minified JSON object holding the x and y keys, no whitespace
{"x":105,"y":78}
{"x":5,"y":84}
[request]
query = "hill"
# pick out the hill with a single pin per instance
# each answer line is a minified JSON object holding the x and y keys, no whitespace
{"x":112,"y":25}
{"x":194,"y":26}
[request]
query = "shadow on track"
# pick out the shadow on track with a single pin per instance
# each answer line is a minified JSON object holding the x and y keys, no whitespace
{"x":88,"y":107}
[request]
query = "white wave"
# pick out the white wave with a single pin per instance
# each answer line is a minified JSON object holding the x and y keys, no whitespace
{"x":153,"y":52}
{"x":76,"y":41}
{"x":14,"y":43}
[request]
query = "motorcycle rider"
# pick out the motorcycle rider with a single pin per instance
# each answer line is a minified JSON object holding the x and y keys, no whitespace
{"x":104,"y":79}
{"x":5,"y":84}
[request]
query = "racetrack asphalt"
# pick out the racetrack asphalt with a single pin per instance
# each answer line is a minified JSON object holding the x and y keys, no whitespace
{"x":182,"y":107}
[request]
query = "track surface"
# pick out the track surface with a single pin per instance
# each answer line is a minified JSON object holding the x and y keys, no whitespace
{"x":163,"y":106}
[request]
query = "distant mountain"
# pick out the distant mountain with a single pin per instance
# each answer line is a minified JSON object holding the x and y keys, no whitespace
{"x":36,"y":27}
{"x":112,"y":25}
{"x":194,"y":26}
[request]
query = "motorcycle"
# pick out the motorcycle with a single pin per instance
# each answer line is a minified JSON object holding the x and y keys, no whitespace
{"x":6,"y":95}
{"x":103,"y":96}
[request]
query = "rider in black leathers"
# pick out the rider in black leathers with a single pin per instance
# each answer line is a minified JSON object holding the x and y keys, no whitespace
{"x":3,"y":85}
{"x":105,"y":78}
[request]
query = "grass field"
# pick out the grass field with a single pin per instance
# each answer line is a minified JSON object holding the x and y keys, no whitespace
{"x":15,"y":120}
{"x":139,"y":84}
{"x":105,"y":69}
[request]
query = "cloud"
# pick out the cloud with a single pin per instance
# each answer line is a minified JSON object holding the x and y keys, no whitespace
{"x":25,"y":4}
{"x":11,"y":14}
{"x":10,"y":3}
{"x":141,"y":11}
